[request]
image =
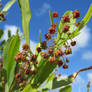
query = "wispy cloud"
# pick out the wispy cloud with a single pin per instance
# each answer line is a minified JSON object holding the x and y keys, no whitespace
{"x":13,"y":30}
{"x":87,"y":55}
{"x":90,"y":77}
{"x":82,"y":39}
{"x":45,"y":7}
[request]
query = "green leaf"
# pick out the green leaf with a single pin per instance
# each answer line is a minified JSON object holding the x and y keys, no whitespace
{"x":9,"y":33}
{"x":86,"y":19}
{"x":10,"y":49}
{"x":28,"y":88}
{"x":67,"y":88}
{"x":59,"y":82}
{"x":38,"y":45}
{"x":8,"y":5}
{"x":1,"y":33}
{"x":51,"y":77}
{"x":51,"y":18}
{"x":26,"y":16}
{"x":40,"y":37}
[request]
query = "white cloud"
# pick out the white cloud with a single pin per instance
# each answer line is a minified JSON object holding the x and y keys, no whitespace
{"x":13,"y":30}
{"x":90,"y":77}
{"x":32,"y":45}
{"x":45,"y":7}
{"x":82,"y":39}
{"x":87,"y":55}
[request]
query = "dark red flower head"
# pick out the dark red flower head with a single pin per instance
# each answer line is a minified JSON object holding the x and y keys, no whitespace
{"x":33,"y":57}
{"x":73,"y":43}
{"x":66,"y":19}
{"x":59,"y":52}
{"x":51,"y":30}
{"x":65,"y":66}
{"x":53,"y":60}
{"x":65,"y":29}
{"x":47,"y":36}
{"x":76,"y":14}
{"x":45,"y":55}
{"x":55,"y":14}
{"x":25,"y":47}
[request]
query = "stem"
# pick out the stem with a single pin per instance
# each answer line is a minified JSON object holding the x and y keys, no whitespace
{"x":88,"y":86}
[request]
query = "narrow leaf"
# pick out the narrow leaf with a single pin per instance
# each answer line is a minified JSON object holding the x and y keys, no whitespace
{"x":1,"y":33}
{"x":8,"y":5}
{"x":26,"y":16}
{"x":51,"y":18}
{"x":10,"y":49}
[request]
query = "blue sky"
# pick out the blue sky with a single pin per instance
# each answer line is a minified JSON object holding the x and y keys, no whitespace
{"x":82,"y":55}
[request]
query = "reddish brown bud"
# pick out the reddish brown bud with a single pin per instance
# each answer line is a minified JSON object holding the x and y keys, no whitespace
{"x":59,"y":52}
{"x":34,"y":72}
{"x":69,"y":33}
{"x":76,"y":14}
{"x":1,"y":15}
{"x":27,"y":71}
{"x":60,"y":63}
{"x":53,"y":60}
{"x":33,"y":57}
{"x":65,"y":66}
{"x":51,"y":30}
{"x":45,"y":55}
{"x":73,"y":43}
{"x":65,"y":29}
{"x":53,"y":26}
{"x":59,"y":75}
{"x":18,"y":75}
{"x":50,"y":51}
{"x":44,"y":45}
{"x":47,"y":36}
{"x":39,"y":49}
{"x":68,"y":51}
{"x":0,"y":5}
{"x":55,"y":14}
{"x":66,"y":19}
{"x":67,"y":60}
{"x":25,"y":47}
{"x":17,"y":58}
{"x":77,"y":24}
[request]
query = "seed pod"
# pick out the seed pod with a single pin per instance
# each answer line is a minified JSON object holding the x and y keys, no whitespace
{"x":25,"y":47}
{"x":66,"y":19}
{"x":51,"y":30}
{"x":73,"y":43}
{"x":53,"y":60}
{"x":47,"y":36}
{"x":55,"y":14}
{"x":65,"y":66}
{"x":76,"y":14}
{"x":65,"y":29}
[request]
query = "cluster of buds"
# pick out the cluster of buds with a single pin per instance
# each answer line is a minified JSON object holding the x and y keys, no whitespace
{"x":27,"y":64}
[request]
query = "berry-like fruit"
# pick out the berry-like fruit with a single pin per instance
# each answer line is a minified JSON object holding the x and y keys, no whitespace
{"x":17,"y":58}
{"x":73,"y":43}
{"x":25,"y":47}
{"x":59,"y":75}
{"x":66,"y":19}
{"x":53,"y":60}
{"x":76,"y":14}
{"x":47,"y":36}
{"x":51,"y":30}
{"x":18,"y":75}
{"x":65,"y":29}
{"x":55,"y":14}
{"x":65,"y":66}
